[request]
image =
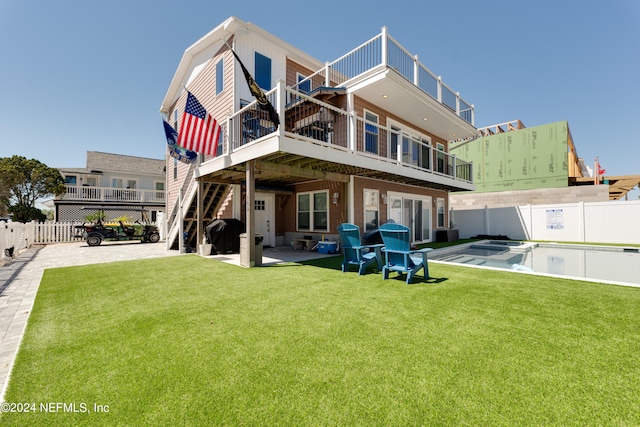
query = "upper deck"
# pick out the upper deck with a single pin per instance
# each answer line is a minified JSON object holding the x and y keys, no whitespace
{"x":324,"y":132}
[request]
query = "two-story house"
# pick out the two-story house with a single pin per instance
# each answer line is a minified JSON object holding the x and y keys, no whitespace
{"x":362,"y":139}
{"x":121,"y":184}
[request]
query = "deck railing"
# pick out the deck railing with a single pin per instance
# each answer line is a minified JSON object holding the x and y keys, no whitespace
{"x":383,"y":50}
{"x":109,"y":194}
{"x":317,"y":122}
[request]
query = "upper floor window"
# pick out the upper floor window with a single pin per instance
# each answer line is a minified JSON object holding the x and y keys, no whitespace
{"x":220,"y":148}
{"x":263,"y":71}
{"x":371,"y":132}
{"x":124,"y":183}
{"x":70,"y":179}
{"x":409,"y":146}
{"x":441,"y":157}
{"x":220,"y":76}
{"x":305,"y":86}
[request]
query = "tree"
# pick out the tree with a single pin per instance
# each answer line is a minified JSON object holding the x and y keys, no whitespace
{"x":23,"y":182}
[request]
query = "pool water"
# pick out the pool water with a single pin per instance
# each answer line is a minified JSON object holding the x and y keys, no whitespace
{"x":607,"y":264}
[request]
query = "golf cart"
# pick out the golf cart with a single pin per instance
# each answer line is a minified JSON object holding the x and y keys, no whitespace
{"x":96,"y":232}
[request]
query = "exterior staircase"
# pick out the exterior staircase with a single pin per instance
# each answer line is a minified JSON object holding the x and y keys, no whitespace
{"x":215,"y":196}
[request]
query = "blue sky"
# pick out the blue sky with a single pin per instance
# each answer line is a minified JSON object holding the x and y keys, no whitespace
{"x":80,"y":75}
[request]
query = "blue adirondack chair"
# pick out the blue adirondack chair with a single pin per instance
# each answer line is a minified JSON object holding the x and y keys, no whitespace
{"x":398,"y":254}
{"x":354,"y":252}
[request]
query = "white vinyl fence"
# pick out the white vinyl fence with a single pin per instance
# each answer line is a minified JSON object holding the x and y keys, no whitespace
{"x":596,"y":222}
{"x":16,"y":236}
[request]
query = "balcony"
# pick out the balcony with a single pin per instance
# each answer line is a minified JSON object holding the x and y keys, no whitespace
{"x":380,"y":54}
{"x":317,"y":130}
{"x":334,"y":142}
{"x":109,"y":194}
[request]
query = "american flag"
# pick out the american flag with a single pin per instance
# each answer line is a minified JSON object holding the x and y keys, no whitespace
{"x":198,"y":130}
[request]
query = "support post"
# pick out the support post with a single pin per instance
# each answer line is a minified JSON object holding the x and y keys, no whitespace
{"x":200,"y":213}
{"x":180,"y":224}
{"x":249,"y":211}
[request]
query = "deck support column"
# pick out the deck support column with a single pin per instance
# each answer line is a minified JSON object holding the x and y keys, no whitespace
{"x":249,"y":212}
{"x":200,"y":213}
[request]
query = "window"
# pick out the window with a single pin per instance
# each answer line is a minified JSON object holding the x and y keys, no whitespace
{"x":124,"y":183}
{"x":304,"y":87}
{"x":175,"y":169}
{"x":70,"y":179}
{"x":220,"y":148}
{"x":313,"y":211}
{"x":440,"y":158}
{"x":370,"y":202}
{"x":440,"y":210}
{"x":263,"y":71}
{"x":410,"y":146}
{"x":92,"y":181}
{"x":219,"y":76}
{"x":393,"y":142}
{"x":370,"y":132}
{"x":159,"y":190}
{"x":425,"y":159}
{"x":411,"y":210}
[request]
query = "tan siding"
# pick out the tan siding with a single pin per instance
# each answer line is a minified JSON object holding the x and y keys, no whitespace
{"x":292,"y":69}
{"x":220,"y":106}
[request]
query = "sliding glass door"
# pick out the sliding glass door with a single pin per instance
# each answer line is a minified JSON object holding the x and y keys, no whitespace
{"x":412,"y":211}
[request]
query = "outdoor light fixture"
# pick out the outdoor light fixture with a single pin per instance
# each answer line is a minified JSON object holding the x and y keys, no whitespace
{"x":384,"y":198}
{"x":336,"y":196}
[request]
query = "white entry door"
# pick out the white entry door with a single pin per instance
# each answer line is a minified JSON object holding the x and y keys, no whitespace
{"x":264,"y":210}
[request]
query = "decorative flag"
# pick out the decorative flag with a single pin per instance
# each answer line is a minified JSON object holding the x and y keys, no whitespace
{"x":600,"y":170}
{"x":198,"y":130}
{"x":263,"y":102}
{"x":177,"y":152}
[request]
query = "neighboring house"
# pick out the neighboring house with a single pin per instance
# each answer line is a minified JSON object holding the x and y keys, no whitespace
{"x":364,"y":139}
{"x":112,"y":181}
{"x":515,"y":165}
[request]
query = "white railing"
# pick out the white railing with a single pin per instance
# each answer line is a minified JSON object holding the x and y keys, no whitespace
{"x":384,"y":50}
{"x":314,"y":121}
{"x":54,"y":232}
{"x":109,"y":194}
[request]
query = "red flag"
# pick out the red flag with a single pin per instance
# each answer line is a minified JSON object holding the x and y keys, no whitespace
{"x":198,"y":130}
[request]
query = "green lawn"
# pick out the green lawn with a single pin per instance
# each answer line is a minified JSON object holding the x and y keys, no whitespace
{"x":193,"y":341}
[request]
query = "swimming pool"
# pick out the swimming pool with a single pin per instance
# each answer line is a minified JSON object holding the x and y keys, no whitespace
{"x":607,"y":264}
